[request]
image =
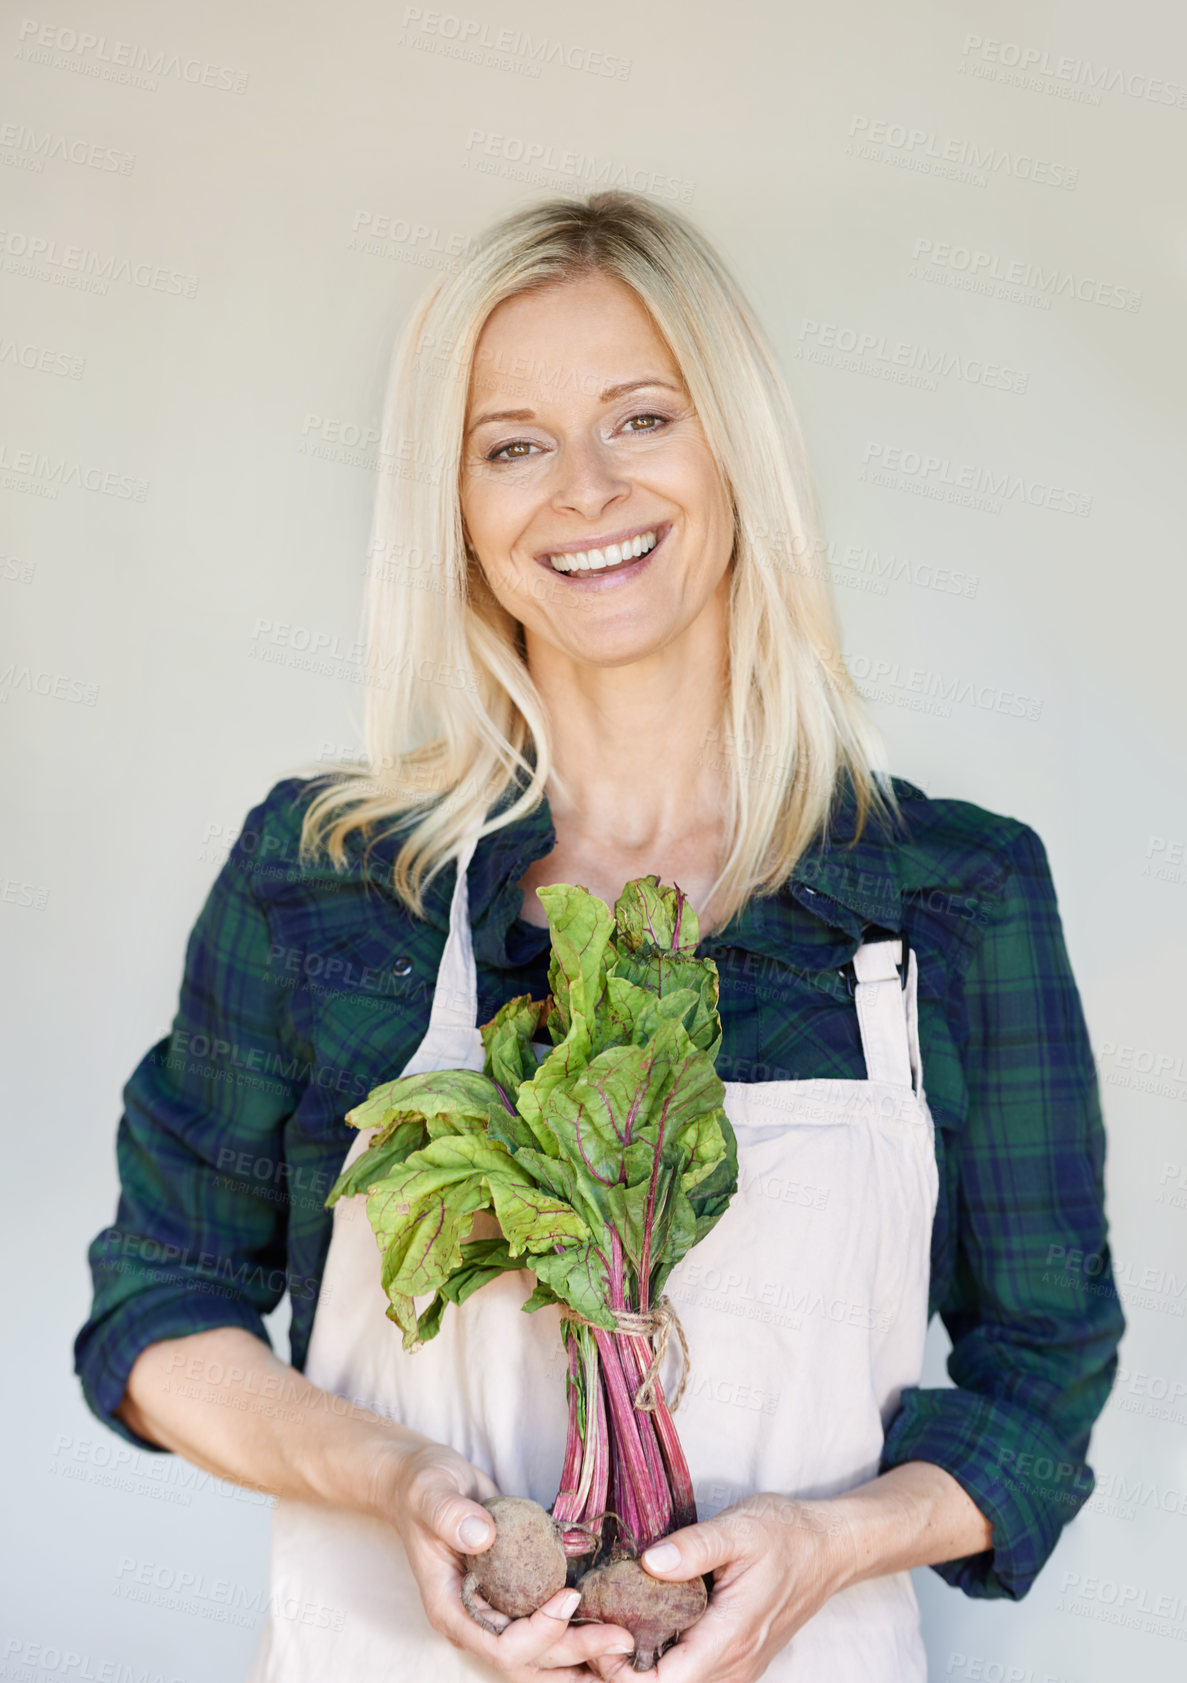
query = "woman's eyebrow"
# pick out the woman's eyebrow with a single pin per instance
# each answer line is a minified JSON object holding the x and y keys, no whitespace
{"x":608,"y":395}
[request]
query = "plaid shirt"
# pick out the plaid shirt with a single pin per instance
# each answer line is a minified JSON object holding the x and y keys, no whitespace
{"x":303,"y":988}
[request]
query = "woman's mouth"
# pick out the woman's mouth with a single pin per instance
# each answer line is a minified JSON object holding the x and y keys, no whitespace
{"x":629,"y":556}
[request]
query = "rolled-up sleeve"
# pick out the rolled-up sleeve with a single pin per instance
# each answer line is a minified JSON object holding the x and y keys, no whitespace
{"x":1033,"y":1311}
{"x":199,"y":1238}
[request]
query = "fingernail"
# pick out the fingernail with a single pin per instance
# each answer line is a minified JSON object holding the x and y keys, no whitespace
{"x":473,"y":1531}
{"x":570,"y":1604}
{"x":662,"y":1557}
{"x":629,"y":1649}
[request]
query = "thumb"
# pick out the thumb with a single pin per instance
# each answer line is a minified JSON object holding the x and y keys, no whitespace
{"x":695,"y":1549}
{"x":464,"y":1525}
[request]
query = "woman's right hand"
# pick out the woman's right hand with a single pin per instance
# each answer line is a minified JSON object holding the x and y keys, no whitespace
{"x":435,"y":1504}
{"x":315,"y":1448}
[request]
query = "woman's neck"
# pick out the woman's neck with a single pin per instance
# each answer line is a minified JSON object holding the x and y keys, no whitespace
{"x":636,"y":750}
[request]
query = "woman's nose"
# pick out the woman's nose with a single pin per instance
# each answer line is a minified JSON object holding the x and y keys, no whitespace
{"x":587,"y":478}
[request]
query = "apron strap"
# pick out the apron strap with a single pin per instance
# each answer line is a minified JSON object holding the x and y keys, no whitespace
{"x":455,"y":998}
{"x":884,"y":1012}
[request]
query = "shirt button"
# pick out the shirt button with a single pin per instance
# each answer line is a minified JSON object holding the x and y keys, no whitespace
{"x":402,"y":967}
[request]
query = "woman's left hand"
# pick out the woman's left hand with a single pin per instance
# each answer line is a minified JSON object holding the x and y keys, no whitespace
{"x":775,"y":1562}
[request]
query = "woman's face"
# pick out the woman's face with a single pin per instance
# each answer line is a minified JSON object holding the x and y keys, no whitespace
{"x":580,"y":437}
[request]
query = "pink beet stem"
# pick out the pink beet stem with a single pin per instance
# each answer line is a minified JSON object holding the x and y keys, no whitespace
{"x":652,"y":1503}
{"x":600,"y":1480}
{"x":643,"y":1423}
{"x":634,"y":1455}
{"x":568,"y":1501}
{"x":678,"y":1479}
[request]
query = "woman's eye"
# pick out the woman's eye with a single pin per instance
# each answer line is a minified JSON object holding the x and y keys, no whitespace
{"x":517,"y":449}
{"x":660,"y":420}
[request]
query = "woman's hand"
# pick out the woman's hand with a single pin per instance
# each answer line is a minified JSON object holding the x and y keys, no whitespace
{"x":775,"y":1562}
{"x":435,"y":1505}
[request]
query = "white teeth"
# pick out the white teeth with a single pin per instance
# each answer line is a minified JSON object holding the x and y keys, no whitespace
{"x":593,"y":560}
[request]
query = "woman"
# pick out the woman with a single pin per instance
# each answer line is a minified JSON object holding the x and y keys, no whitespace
{"x":599,"y":646}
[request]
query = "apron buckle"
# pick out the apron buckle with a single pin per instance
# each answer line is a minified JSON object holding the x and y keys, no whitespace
{"x":849,"y":975}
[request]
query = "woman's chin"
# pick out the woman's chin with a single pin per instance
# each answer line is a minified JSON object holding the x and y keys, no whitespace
{"x":609,"y":645}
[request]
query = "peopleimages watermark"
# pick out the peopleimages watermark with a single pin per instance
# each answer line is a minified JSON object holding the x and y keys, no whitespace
{"x":24,"y":1658}
{"x":33,"y":148}
{"x":406,"y":240}
{"x":923,"y":691}
{"x":1135,"y":1606}
{"x":325,"y":654}
{"x":1165,"y":859}
{"x":42,"y":359}
{"x":362,"y":444}
{"x":776,"y":1301}
{"x":1172,"y":1185}
{"x":50,"y":473}
{"x":504,"y":47}
{"x":113,"y":1465}
{"x":253,"y":1068}
{"x":1147,"y":1286}
{"x":970,"y":161}
{"x":490,"y":152}
{"x":22,"y":572}
{"x":14,"y":892}
{"x":983,"y":487}
{"x":858,"y":565}
{"x":989,"y":272}
{"x":77,"y":266}
{"x":977,"y":1669}
{"x":163,"y":1262}
{"x":59,"y":686}
{"x":901,"y":361}
{"x":1063,"y":74}
{"x":1159,"y":1396}
{"x":753,"y":1398}
{"x":63,"y":47}
{"x":1144,"y":1070}
{"x":219,"y":1599}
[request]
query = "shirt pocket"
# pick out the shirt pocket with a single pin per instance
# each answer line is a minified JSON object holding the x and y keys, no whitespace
{"x":366,"y":1006}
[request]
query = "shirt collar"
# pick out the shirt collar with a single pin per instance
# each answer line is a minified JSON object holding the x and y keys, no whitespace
{"x":812,"y":922}
{"x":859,"y":881}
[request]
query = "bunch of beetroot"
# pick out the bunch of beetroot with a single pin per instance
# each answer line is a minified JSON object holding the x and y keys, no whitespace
{"x":603,"y":1164}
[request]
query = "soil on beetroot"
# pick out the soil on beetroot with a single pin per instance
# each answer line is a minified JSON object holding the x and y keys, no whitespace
{"x":524,"y":1566}
{"x":621,"y":1592}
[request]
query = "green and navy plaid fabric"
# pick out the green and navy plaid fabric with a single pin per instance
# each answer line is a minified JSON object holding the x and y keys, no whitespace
{"x":304,"y":987}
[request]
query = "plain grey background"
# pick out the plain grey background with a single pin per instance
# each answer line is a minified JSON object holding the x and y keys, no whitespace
{"x":963,"y":227}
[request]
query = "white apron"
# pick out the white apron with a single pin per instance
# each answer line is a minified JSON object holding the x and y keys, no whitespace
{"x":805,"y":1310}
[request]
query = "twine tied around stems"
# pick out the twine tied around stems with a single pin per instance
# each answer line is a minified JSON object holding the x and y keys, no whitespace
{"x":658,"y":1321}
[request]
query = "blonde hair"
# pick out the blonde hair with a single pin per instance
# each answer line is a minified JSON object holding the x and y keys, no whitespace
{"x":453,"y":721}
